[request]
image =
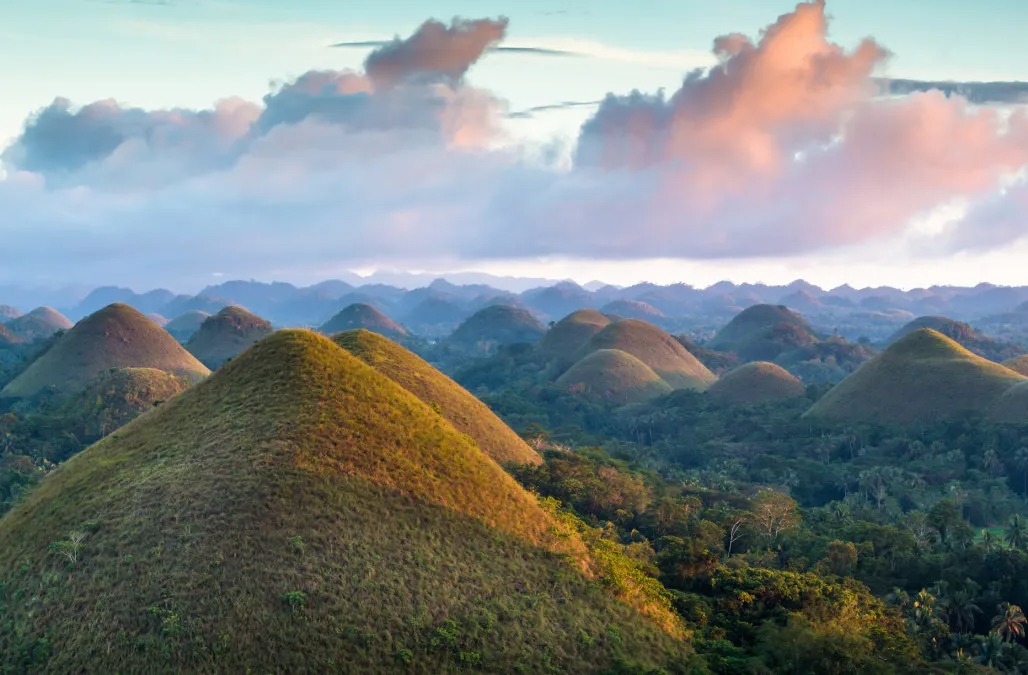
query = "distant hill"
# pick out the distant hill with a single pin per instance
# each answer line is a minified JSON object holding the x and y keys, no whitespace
{"x":226,"y":335}
{"x":118,"y":396}
{"x":117,"y":336}
{"x":7,"y":313}
{"x":1012,"y":406}
{"x":925,"y":376}
{"x":7,"y":337}
{"x":465,"y":412}
{"x":569,"y":335}
{"x":39,"y":324}
{"x":361,"y":315}
{"x":655,"y":348}
{"x":1019,"y":364}
{"x":613,"y":376}
{"x":158,"y":319}
{"x":763,"y":332}
{"x":964,"y":334}
{"x":184,"y":326}
{"x":301,"y":512}
{"x":633,"y":309}
{"x":498,"y":325}
{"x":557,"y":300}
{"x":434,"y":316}
{"x":755,"y":383}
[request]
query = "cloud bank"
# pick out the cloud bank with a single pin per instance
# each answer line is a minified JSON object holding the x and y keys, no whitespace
{"x":784,"y":147}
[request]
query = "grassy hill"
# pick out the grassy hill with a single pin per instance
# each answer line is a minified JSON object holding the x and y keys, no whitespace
{"x":184,"y":326}
{"x":757,"y":382}
{"x":568,"y":336}
{"x":117,"y":336}
{"x":226,"y":335}
{"x":763,"y":332}
{"x":498,"y":325}
{"x":7,"y":337}
{"x":39,"y":324}
{"x":633,"y":309}
{"x":118,"y":396}
{"x":360,"y":315}
{"x":963,"y":334}
{"x":925,"y":376}
{"x":300,"y":512}
{"x":465,"y":412}
{"x":7,"y":312}
{"x":1019,"y":364}
{"x":655,"y":348}
{"x":613,"y":376}
{"x":1012,"y":406}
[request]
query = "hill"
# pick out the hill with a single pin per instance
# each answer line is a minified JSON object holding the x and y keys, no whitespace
{"x":117,"y":336}
{"x":300,"y":512}
{"x":1012,"y":406}
{"x":569,"y":335}
{"x":7,"y":313}
{"x":361,"y":315}
{"x":184,"y":326}
{"x":465,"y":412}
{"x":498,"y":325}
{"x":39,"y":324}
{"x":613,"y":376}
{"x":763,"y":332}
{"x":8,"y":338}
{"x":963,"y":334}
{"x":655,"y":348}
{"x":1019,"y":365}
{"x":633,"y":309}
{"x":755,"y":383}
{"x":158,"y":319}
{"x":925,"y":376}
{"x":226,"y":335}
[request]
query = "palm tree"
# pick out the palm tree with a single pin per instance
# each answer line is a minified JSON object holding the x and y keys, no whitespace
{"x":1017,"y":536}
{"x":1021,"y":462}
{"x":961,"y":611}
{"x":988,"y":540}
{"x":991,"y":648}
{"x":1010,"y":622}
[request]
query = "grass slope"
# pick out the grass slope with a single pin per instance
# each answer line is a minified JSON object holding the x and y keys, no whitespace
{"x":184,"y":326}
{"x":614,"y":376}
{"x":299,"y":512}
{"x":7,"y":337}
{"x":632,"y":309}
{"x":498,"y":325}
{"x":1019,"y":364}
{"x":567,"y":337}
{"x":763,"y":332}
{"x":360,"y":315}
{"x":465,"y":412}
{"x":117,"y":336}
{"x":655,"y":348}
{"x":118,"y":396}
{"x":39,"y":324}
{"x":1012,"y":406}
{"x":755,"y":383}
{"x":925,"y":376}
{"x":963,"y":334}
{"x":226,"y":335}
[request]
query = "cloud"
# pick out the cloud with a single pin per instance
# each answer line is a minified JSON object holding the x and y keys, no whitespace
{"x":498,"y":49}
{"x":976,"y":92}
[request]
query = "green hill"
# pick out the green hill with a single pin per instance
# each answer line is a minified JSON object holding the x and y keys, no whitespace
{"x":1012,"y":406}
{"x":569,"y":335}
{"x":1020,"y":365}
{"x":925,"y":376}
{"x":39,"y":324}
{"x":465,"y":412}
{"x":184,"y":326}
{"x":964,"y":335}
{"x":300,"y":512}
{"x":360,"y":315}
{"x":633,"y":309}
{"x":226,"y":335}
{"x":763,"y":332}
{"x":498,"y":325}
{"x":117,"y":336}
{"x":655,"y":348}
{"x":755,"y":383}
{"x":613,"y":376}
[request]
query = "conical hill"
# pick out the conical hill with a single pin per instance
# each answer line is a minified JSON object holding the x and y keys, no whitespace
{"x":613,"y":376}
{"x":360,"y":315}
{"x":116,"y":336}
{"x":569,"y":335}
{"x":38,"y":324}
{"x":763,"y":332}
{"x":225,"y":335}
{"x":184,"y":326}
{"x":755,"y":383}
{"x":465,"y":412}
{"x":924,"y":376}
{"x":1019,"y":364}
{"x":655,"y":348}
{"x":300,"y":512}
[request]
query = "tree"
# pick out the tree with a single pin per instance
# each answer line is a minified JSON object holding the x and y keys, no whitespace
{"x":774,"y":512}
{"x":842,"y":557}
{"x":1021,"y":462}
{"x":1017,"y":536}
{"x":1009,"y":622}
{"x":961,"y":610}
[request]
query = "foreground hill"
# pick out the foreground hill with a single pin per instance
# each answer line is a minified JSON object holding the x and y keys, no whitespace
{"x":184,"y":326}
{"x":613,"y":376}
{"x":757,"y":382}
{"x":569,"y":335}
{"x":1020,"y":365}
{"x":498,"y":325}
{"x":925,"y":376}
{"x":300,"y":512}
{"x":657,"y":350}
{"x":465,"y":412}
{"x":39,"y":324}
{"x":963,"y":334}
{"x":117,"y":336}
{"x":226,"y":335}
{"x":361,"y":315}
{"x":763,"y":332}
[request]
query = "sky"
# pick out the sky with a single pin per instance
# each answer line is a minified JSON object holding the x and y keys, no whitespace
{"x":176,"y":142}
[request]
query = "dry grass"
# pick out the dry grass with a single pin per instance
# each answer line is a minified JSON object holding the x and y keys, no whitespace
{"x":613,"y":376}
{"x":762,"y":332}
{"x":226,"y":335}
{"x":1018,"y":365}
{"x":568,"y":336}
{"x":38,"y":324}
{"x":755,"y":383}
{"x":300,"y":512}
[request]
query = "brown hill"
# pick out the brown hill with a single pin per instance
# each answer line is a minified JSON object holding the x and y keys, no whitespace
{"x":226,"y":335}
{"x":184,"y":326}
{"x":1019,"y":365}
{"x":568,"y":336}
{"x":756,"y":383}
{"x":655,"y":348}
{"x":360,"y":315}
{"x":498,"y":325}
{"x":763,"y":333}
{"x":613,"y":376}
{"x":39,"y":324}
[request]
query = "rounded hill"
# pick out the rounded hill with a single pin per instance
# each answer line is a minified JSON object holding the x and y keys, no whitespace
{"x":925,"y":376}
{"x":300,"y":512}
{"x":184,"y":326}
{"x":756,"y":383}
{"x":1019,"y":365}
{"x":1012,"y":406}
{"x":613,"y":376}
{"x":118,"y":396}
{"x":361,"y":315}
{"x":963,"y":334}
{"x":655,"y":348}
{"x":226,"y":335}
{"x":763,"y":332}
{"x":465,"y":412}
{"x":116,"y":336}
{"x":498,"y":325}
{"x":569,"y":335}
{"x":633,"y":309}
{"x":39,"y":324}
{"x":7,"y":312}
